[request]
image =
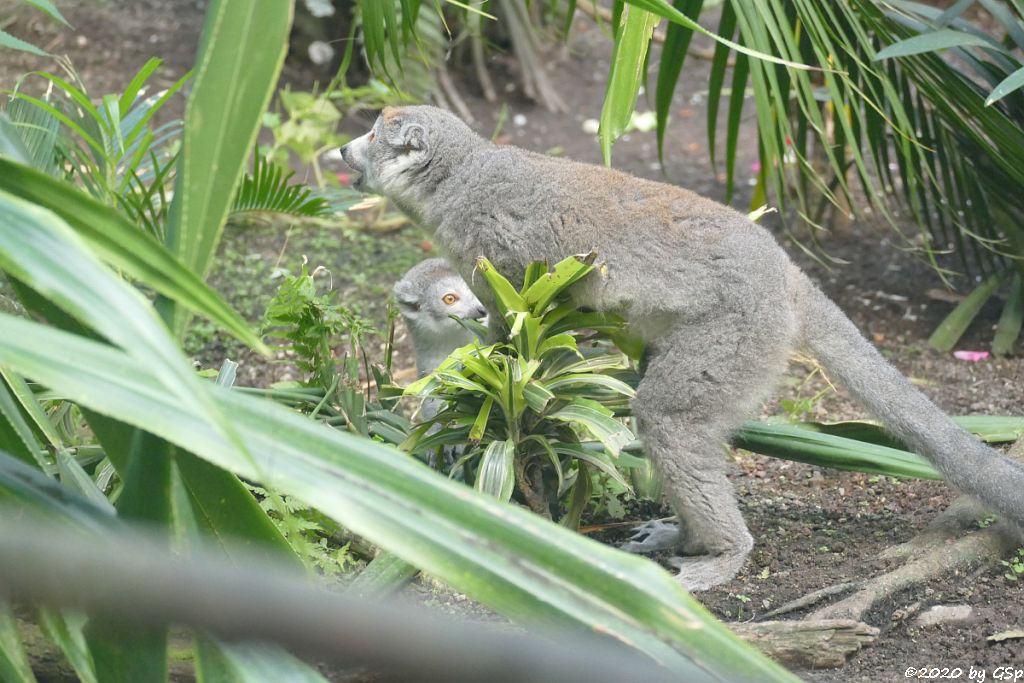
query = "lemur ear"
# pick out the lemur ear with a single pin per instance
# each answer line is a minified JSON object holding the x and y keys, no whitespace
{"x":406,"y":296}
{"x":414,"y":137}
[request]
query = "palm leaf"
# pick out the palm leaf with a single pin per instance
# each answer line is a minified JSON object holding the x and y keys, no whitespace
{"x":266,"y":190}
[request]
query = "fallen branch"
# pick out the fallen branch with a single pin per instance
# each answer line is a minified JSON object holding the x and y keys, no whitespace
{"x":807,"y":644}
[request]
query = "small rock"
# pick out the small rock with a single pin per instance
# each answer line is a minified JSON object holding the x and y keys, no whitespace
{"x":519,"y":120}
{"x":943,"y":614}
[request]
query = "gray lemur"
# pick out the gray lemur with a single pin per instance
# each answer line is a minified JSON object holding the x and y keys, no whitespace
{"x":428,"y":295}
{"x":717,"y":300}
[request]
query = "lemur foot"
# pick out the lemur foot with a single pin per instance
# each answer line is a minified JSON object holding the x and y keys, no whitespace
{"x":701,"y":572}
{"x":652,"y":536}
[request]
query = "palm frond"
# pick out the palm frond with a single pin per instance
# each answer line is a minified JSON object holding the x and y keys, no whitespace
{"x":266,"y":190}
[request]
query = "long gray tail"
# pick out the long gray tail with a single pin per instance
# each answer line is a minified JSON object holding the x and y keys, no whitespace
{"x":846,"y":355}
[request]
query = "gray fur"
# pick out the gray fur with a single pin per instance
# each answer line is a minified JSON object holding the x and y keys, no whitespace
{"x":420,"y":295}
{"x":719,"y":303}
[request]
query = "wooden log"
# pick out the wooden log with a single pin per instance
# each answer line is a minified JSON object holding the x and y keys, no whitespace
{"x":817,"y":644}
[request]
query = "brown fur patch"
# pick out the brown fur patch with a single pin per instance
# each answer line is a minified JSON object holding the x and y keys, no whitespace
{"x":389,"y":113}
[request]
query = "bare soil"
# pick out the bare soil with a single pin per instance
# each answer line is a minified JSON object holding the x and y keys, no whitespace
{"x":813,"y":527}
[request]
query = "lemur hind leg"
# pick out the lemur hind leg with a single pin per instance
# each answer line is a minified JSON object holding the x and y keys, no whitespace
{"x":701,"y":381}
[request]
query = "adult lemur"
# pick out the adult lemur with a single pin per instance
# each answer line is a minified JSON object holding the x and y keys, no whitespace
{"x":718,"y":302}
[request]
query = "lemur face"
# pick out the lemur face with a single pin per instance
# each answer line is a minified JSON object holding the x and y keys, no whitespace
{"x":429,"y":294}
{"x":388,"y":157}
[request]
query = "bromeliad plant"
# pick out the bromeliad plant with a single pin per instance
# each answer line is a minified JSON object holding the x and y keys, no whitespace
{"x":540,"y":414}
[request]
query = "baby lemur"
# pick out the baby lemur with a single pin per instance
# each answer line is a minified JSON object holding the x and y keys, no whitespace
{"x":717,"y":300}
{"x":428,"y":295}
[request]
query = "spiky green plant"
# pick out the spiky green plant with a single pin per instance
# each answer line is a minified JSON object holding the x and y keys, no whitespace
{"x":536,"y":413}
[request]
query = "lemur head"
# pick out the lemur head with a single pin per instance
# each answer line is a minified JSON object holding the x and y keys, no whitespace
{"x":428,"y":295}
{"x":408,"y":147}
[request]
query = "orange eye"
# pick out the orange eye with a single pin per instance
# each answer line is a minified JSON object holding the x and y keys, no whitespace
{"x":450,"y":298}
{"x":373,"y":136}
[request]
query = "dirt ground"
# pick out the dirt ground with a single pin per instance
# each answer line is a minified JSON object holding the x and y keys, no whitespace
{"x":813,"y":527}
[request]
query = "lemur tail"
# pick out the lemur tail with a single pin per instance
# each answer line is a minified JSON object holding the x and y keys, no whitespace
{"x":847,"y":356}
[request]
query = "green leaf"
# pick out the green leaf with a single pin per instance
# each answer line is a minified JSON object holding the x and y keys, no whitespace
{"x":266,"y":190}
{"x":673,"y":54}
{"x":632,"y":39}
{"x":501,"y":555}
{"x":16,"y":437}
{"x":65,"y":629}
{"x":1011,"y":83}
{"x":1010,"y":321}
{"x":11,"y":145}
{"x":949,"y":331}
{"x":506,"y":296}
{"x":585,"y":379}
{"x":601,"y":460}
{"x":14,"y":664}
{"x":7,"y":40}
{"x":41,"y":251}
{"x":476,"y":433}
{"x":793,"y":443}
{"x":384,"y":576}
{"x":537,"y":396}
{"x":496,"y":474}
{"x":49,"y":8}
{"x":663,"y":9}
{"x":610,"y":432}
{"x":125,"y":247}
{"x":545,"y":286}
{"x":241,"y":51}
{"x":220,"y":662}
{"x":933,"y":41}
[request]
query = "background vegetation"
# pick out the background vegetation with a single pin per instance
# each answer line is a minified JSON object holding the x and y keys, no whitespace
{"x":111,"y":226}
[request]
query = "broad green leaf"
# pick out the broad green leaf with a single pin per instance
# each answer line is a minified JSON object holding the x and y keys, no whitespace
{"x":27,"y":488}
{"x":547,"y":285}
{"x":949,"y":331}
{"x":221,"y":662}
{"x":384,"y":576}
{"x":793,"y":443}
{"x":16,"y":437}
{"x":610,"y":432}
{"x":586,"y":379}
{"x":537,"y":396}
{"x":14,"y":664}
{"x":632,"y":40}
{"x":125,"y":247}
{"x":65,"y":629}
{"x":11,"y":145}
{"x":933,"y":41}
{"x":41,"y":251}
{"x":988,"y":428}
{"x":1011,"y":83}
{"x":1010,"y":321}
{"x":476,"y":433}
{"x":508,"y":299}
{"x":132,"y":654}
{"x":602,"y":461}
{"x":496,"y":474}
{"x":501,"y":555}
{"x":241,"y":52}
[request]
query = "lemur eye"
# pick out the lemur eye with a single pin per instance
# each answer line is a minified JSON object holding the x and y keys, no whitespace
{"x":450,"y":298}
{"x":373,"y":136}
